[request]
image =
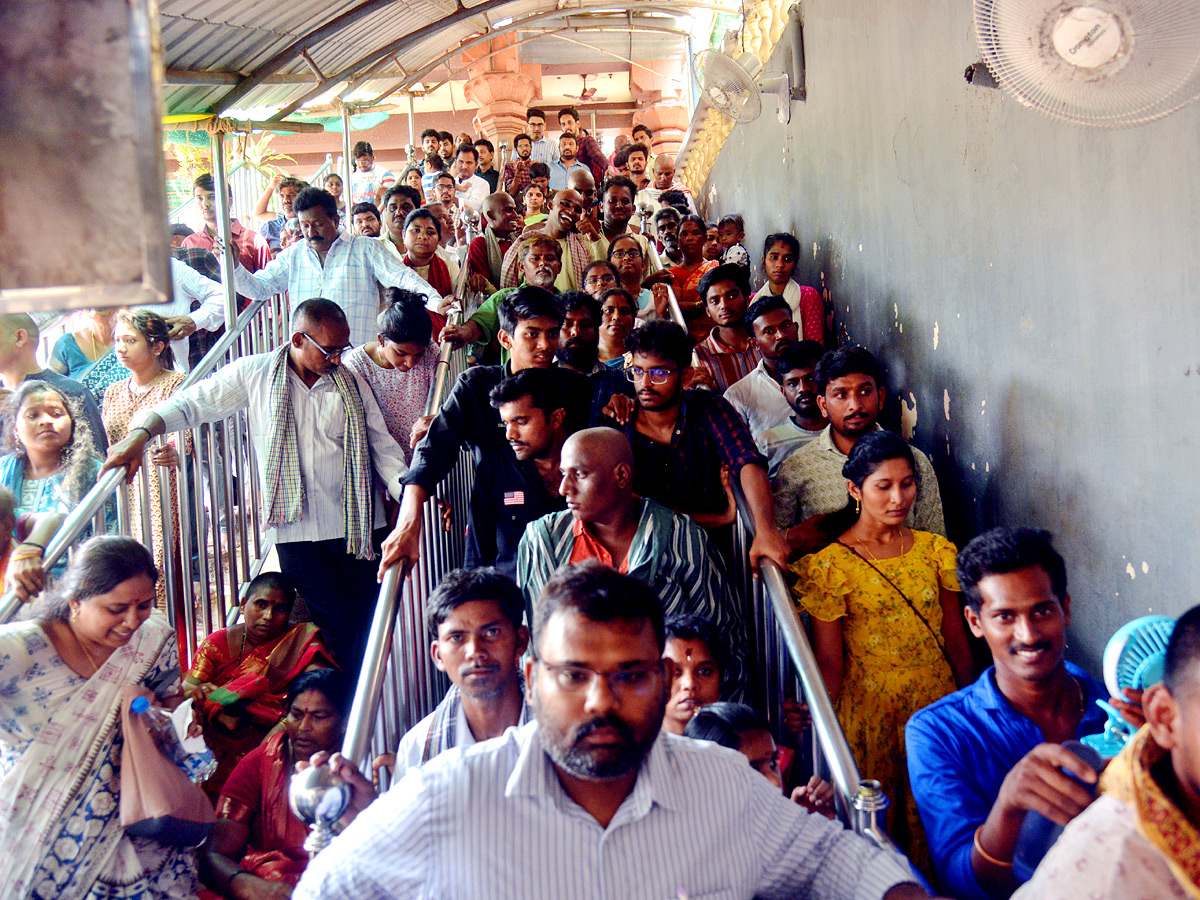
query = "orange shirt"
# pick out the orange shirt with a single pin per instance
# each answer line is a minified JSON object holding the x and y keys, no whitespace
{"x":587,"y":547}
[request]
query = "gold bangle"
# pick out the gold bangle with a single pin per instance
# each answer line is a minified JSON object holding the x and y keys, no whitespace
{"x":987,"y":856}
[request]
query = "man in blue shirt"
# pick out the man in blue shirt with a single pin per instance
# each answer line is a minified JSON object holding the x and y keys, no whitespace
{"x":982,"y":757}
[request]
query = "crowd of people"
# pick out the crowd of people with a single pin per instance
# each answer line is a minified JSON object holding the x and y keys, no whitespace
{"x":628,"y":382}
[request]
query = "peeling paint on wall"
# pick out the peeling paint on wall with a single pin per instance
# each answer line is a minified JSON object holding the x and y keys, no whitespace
{"x":1129,"y":571}
{"x":1145,"y":568}
{"x":908,"y":416}
{"x":935,"y":335}
{"x":946,"y":402}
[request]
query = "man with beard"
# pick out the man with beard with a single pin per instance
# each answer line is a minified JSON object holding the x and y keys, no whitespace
{"x":578,"y":345}
{"x":287,"y":188}
{"x":638,"y":158}
{"x":588,"y":151}
{"x":474,"y":619}
{"x":364,"y":218}
{"x":516,"y":171}
{"x":430,"y":145}
{"x":606,"y":521}
{"x":758,"y":397}
{"x":562,"y":168}
{"x":666,"y":229}
{"x":561,"y":225}
{"x":810,"y":483}
{"x":487,"y":170}
{"x":728,"y":352}
{"x":616,"y":208}
{"x":614,"y":807}
{"x":795,"y":368}
{"x":398,"y":202}
{"x":514,"y":489}
{"x":485,"y":256}
{"x":540,"y":259}
{"x":346,"y":269}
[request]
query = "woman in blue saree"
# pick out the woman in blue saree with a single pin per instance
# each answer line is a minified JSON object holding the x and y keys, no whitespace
{"x":61,"y":678}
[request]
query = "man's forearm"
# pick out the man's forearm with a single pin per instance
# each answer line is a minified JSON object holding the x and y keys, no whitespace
{"x":757,"y":488}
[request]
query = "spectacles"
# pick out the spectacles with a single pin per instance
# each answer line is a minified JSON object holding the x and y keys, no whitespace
{"x":657,"y":375}
{"x":572,"y":679}
{"x":329,"y":354}
{"x":632,"y":253}
{"x":592,"y":281}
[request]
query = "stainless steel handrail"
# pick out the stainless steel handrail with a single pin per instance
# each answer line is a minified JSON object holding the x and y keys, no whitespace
{"x":364,"y":710}
{"x":106,"y":486}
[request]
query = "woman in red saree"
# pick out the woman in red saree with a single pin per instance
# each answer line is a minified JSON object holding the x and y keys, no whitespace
{"x":692,"y":235}
{"x":422,"y":238}
{"x":257,"y":838}
{"x":240,"y":674}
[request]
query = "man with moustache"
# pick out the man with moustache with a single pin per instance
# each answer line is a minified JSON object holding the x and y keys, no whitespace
{"x":514,"y":489}
{"x":578,"y":350}
{"x":474,"y":620}
{"x":588,"y":151}
{"x":398,"y":202}
{"x":758,"y":397}
{"x":614,"y":807}
{"x":663,"y":180}
{"x":728,"y":353}
{"x":638,"y":159}
{"x":287,"y":188}
{"x":347,"y":269}
{"x":516,"y":171}
{"x":485,"y":256}
{"x":795,"y":368}
{"x":562,"y":226}
{"x":979,"y":759}
{"x":606,"y":521}
{"x":542,"y":149}
{"x":365,"y":219}
{"x":810,"y":483}
{"x":666,"y":230}
{"x":562,"y":168}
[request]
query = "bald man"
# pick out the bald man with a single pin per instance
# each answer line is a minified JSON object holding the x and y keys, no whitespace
{"x":485,"y":256}
{"x":634,"y":535}
{"x":562,"y":224}
{"x":663,"y":180}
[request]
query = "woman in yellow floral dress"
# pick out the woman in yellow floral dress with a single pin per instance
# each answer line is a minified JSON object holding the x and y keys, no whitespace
{"x":886,"y":620}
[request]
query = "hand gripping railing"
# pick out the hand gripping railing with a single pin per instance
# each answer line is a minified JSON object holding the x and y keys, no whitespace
{"x":860,"y":802}
{"x":398,"y":685}
{"x":108,"y":484}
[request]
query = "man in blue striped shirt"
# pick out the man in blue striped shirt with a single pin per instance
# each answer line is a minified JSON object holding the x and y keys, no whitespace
{"x":592,"y":800}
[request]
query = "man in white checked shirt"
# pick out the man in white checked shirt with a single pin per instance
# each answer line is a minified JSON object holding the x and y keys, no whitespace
{"x":592,"y":800}
{"x":320,"y":440}
{"x":347,"y":269}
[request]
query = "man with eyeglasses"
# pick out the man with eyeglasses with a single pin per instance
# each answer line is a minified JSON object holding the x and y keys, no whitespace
{"x":614,"y":806}
{"x":320,"y":439}
{"x":607,"y":522}
{"x":687,"y":444}
{"x":328,"y":263}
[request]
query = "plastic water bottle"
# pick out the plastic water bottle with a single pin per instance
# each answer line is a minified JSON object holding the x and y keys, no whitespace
{"x":1038,"y":833}
{"x":198,"y":763}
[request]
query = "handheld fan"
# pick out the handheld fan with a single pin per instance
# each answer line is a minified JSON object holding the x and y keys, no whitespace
{"x":1134,"y":658}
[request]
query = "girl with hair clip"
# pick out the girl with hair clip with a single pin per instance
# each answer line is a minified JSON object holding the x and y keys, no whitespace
{"x":887,"y":623}
{"x":142,"y":344}
{"x":53,"y":464}
{"x":399,"y":365}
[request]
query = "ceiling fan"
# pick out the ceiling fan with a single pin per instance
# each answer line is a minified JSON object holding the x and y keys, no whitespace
{"x":587,"y":94}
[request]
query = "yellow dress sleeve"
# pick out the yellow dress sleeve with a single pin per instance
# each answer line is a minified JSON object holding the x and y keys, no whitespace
{"x":943,"y":554}
{"x":822,"y":588}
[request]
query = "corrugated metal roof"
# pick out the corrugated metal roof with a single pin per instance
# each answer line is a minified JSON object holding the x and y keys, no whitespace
{"x":241,"y":36}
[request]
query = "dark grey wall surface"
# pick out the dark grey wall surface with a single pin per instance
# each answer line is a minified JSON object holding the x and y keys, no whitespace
{"x":1030,"y":286}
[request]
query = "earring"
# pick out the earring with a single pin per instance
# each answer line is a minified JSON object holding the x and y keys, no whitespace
{"x":74,"y":613}
{"x":857,"y":507}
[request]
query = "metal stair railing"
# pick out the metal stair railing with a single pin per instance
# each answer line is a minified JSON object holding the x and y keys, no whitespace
{"x":398,"y":684}
{"x":227,"y":451}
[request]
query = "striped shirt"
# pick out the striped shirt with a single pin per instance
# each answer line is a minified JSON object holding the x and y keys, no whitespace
{"x":544,"y":151}
{"x":727,"y":365}
{"x":493,"y":822}
{"x":669,"y":552}
{"x":320,"y":421}
{"x":351,"y":275}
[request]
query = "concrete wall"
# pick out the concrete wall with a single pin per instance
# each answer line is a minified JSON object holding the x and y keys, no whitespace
{"x":1031,"y":287}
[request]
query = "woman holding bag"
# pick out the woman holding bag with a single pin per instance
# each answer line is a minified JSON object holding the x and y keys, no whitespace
{"x":61,"y":681}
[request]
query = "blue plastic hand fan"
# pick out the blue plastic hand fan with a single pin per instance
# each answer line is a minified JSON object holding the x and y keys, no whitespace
{"x":1134,"y":658}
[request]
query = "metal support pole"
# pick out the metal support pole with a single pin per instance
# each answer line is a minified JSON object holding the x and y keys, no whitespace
{"x":348,"y":165}
{"x":224,"y":232}
{"x":412,"y":120}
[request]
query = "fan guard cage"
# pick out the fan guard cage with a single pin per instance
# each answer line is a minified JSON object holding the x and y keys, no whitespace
{"x":728,"y":87}
{"x":1101,"y":63}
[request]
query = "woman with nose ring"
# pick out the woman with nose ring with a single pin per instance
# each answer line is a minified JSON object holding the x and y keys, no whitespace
{"x":887,"y":623}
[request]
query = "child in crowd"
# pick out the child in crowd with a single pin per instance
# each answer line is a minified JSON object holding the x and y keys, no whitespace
{"x":731,"y":231}
{"x":712,"y":242}
{"x":333,"y":184}
{"x":434,"y":166}
{"x":744,"y":729}
{"x":240,"y":676}
{"x":698,"y":659}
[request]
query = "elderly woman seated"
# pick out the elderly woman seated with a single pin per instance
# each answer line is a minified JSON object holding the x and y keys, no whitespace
{"x":257,"y":846}
{"x":240,"y":674}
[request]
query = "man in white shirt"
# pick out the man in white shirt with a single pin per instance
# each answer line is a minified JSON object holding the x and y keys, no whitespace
{"x":758,"y":397}
{"x":318,"y":433}
{"x":614,"y":807}
{"x":543,"y":149}
{"x":347,"y":269}
{"x":472,"y":190}
{"x":368,"y":181}
{"x":188,"y":287}
{"x":662,"y":181}
{"x":474,"y":618}
{"x":796,"y":370}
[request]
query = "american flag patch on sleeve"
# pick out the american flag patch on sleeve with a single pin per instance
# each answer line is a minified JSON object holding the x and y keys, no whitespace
{"x":514,"y":498}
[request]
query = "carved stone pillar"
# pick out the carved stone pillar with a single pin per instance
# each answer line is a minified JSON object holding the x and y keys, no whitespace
{"x":668,"y":121}
{"x":501,"y":87}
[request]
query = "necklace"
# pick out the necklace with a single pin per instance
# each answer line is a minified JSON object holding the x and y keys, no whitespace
{"x":79,"y":644}
{"x":875,"y":558}
{"x":1079,"y":694}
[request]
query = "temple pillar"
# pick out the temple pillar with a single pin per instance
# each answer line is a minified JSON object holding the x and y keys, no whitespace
{"x":500,"y":87}
{"x":668,"y":122}
{"x":656,"y":87}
